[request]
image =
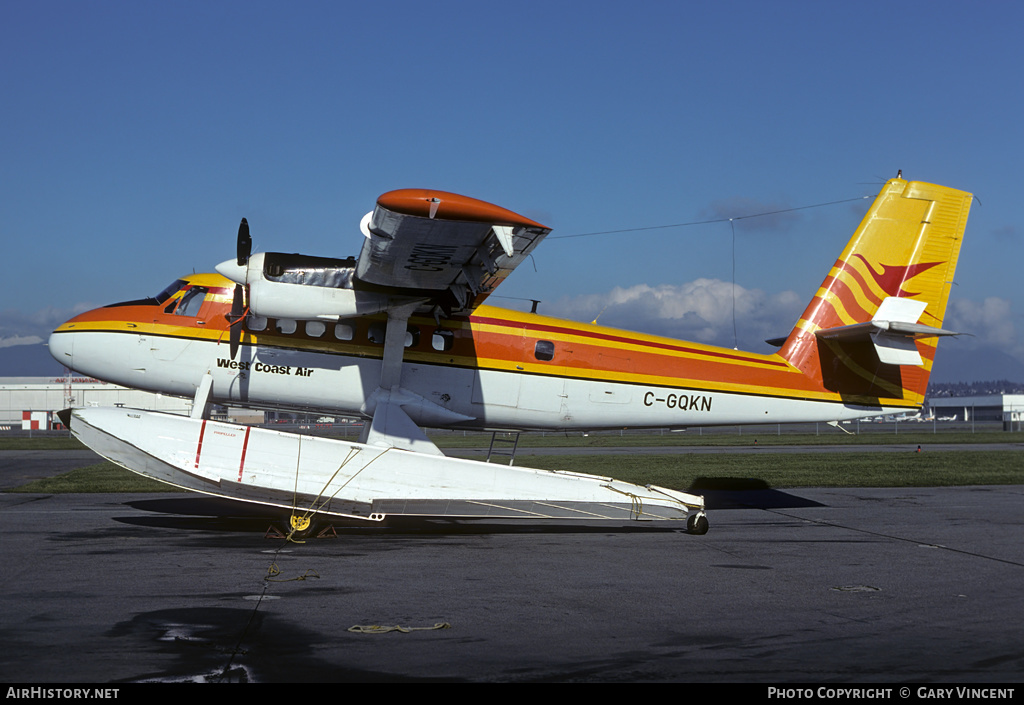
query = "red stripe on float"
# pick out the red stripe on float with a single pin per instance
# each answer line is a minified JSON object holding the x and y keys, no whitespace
{"x":199,"y":446}
{"x":245,"y":445}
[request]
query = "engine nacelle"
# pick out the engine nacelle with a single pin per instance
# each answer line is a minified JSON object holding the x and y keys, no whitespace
{"x":303,"y":287}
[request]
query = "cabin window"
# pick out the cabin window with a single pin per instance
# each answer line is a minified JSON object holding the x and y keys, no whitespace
{"x":442,"y":340}
{"x":256,"y":323}
{"x":344,"y":331}
{"x":315,"y":329}
{"x":286,"y":326}
{"x":412,"y":337}
{"x":544,"y":350}
{"x":191,"y":301}
{"x":375,"y":333}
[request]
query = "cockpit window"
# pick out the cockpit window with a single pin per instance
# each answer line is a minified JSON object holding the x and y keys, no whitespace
{"x":191,"y":301}
{"x":170,"y":291}
{"x":152,"y":300}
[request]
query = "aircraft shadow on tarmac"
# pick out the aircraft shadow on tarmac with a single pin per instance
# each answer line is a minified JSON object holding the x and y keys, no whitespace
{"x":745,"y":493}
{"x":196,"y":512}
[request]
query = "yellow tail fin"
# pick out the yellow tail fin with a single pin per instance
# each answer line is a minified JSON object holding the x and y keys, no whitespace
{"x":883,"y":303}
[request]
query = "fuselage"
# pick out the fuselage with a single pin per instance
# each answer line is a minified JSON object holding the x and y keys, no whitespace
{"x":494,"y":369}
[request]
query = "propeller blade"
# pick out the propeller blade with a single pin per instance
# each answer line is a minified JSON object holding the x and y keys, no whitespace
{"x":235,"y":319}
{"x":238,"y":303}
{"x":244,"y":243}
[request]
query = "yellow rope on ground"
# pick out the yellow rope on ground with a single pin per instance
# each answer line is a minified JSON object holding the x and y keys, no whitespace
{"x":378,"y":629}
{"x":273,"y":571}
{"x":270,"y":577}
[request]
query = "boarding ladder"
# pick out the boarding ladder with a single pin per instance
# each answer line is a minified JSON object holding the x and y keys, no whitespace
{"x":503,"y":443}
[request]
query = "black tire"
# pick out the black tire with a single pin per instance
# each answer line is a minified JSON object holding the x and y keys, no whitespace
{"x":697,"y":525}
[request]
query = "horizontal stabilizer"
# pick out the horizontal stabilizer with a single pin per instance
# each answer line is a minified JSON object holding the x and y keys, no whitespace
{"x":892,"y":330}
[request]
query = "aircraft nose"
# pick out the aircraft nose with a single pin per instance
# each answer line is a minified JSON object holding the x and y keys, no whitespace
{"x":61,"y":347}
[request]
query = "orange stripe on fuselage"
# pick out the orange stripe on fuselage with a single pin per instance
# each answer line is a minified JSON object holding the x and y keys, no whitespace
{"x":620,"y":338}
{"x":499,"y":339}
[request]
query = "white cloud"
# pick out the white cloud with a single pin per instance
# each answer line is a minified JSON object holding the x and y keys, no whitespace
{"x":30,"y":327}
{"x":20,"y":340}
{"x":989,"y":322}
{"x":701,"y":310}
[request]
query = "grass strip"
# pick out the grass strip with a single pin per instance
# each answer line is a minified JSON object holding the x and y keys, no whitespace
{"x":101,"y":477}
{"x":49,"y":443}
{"x":763,"y":437}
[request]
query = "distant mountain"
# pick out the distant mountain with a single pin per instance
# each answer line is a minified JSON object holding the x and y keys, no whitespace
{"x":986,"y":388}
{"x":29,"y":361}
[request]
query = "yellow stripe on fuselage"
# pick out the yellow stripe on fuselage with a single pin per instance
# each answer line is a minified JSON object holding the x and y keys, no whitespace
{"x":503,"y":340}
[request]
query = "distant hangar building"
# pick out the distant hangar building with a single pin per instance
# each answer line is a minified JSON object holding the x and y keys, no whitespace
{"x":1008,"y":408}
{"x":30,"y":402}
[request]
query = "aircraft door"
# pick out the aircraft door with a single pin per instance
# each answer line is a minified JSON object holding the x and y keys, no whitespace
{"x":499,"y":387}
{"x":544,"y":390}
{"x":193,"y":308}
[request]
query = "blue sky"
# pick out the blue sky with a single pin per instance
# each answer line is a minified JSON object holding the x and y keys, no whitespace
{"x":136,"y":135}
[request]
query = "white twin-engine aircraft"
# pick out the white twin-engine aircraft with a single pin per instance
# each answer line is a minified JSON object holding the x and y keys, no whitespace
{"x":401,"y":336}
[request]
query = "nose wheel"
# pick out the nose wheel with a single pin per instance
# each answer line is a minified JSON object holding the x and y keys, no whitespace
{"x":697,"y":524}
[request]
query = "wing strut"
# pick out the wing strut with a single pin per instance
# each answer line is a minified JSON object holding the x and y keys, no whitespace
{"x":201,"y":401}
{"x":392,"y":426}
{"x":394,"y":345}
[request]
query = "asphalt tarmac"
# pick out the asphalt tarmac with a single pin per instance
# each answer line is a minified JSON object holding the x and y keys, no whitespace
{"x":801,"y":586}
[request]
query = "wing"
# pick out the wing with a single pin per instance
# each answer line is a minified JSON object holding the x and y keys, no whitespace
{"x":452,"y":249}
{"x":431,"y":248}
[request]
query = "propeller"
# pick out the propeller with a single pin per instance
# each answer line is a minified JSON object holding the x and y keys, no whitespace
{"x":238,"y":308}
{"x":244,"y":243}
{"x":238,"y":311}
